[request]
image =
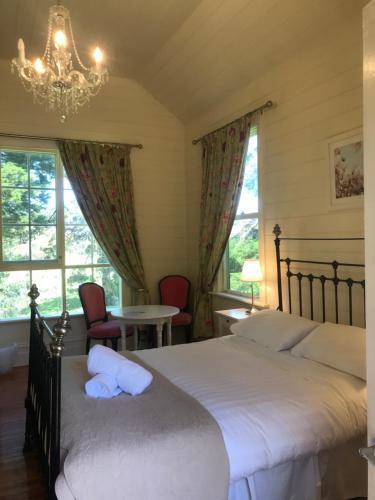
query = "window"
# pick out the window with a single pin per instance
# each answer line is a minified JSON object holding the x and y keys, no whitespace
{"x":244,"y":238}
{"x":45,"y":239}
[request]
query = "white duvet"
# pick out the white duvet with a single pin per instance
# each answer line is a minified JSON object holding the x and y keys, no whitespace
{"x":271,"y":407}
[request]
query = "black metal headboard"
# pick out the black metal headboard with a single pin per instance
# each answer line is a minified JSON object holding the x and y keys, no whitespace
{"x":309,"y":278}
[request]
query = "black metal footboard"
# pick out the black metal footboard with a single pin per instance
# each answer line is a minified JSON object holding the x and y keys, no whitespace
{"x":43,"y":398}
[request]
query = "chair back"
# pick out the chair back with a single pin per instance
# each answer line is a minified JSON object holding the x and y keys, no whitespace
{"x":174,"y":291}
{"x":92,"y":298}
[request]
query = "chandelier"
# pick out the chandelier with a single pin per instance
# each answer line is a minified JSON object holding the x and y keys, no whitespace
{"x":52,"y":79}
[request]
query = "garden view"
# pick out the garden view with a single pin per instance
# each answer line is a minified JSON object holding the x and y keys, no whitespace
{"x":244,"y":241}
{"x":36,"y":249}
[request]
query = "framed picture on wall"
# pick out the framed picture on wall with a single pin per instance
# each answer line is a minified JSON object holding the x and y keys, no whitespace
{"x":346,"y":170}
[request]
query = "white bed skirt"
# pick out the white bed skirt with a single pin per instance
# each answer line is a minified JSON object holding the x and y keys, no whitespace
{"x":334,"y":475}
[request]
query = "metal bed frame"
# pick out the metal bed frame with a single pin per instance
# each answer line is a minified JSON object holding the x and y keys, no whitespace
{"x":43,"y":397}
{"x":334,"y":278}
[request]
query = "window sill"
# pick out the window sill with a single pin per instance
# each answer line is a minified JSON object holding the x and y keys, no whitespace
{"x":47,"y":318}
{"x":240,"y":298}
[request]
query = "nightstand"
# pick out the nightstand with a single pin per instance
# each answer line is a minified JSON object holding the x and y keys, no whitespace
{"x":228,"y":317}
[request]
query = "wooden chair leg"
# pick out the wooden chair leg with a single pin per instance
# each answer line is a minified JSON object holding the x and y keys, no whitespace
{"x":88,"y":344}
{"x":188,"y":333}
{"x":114,"y":343}
{"x":105,"y":342}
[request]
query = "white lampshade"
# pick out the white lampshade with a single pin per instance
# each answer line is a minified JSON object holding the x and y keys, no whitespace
{"x":251,"y":271}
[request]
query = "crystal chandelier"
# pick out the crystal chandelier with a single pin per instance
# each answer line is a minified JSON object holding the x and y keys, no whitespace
{"x":52,"y":79}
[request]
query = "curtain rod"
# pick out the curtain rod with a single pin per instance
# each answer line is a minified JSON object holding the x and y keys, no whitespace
{"x":266,"y":105}
{"x":41,"y":138}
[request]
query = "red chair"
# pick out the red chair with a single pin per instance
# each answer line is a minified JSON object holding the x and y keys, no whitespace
{"x":174,"y":291}
{"x":92,"y":298}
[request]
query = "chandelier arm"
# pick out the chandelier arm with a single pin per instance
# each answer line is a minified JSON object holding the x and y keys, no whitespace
{"x":47,"y":50}
{"x":23,"y":75}
{"x":74,"y":46}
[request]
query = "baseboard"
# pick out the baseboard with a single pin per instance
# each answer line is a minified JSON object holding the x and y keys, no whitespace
{"x":22,"y":358}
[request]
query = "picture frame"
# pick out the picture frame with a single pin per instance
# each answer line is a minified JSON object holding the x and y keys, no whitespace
{"x":345,"y":153}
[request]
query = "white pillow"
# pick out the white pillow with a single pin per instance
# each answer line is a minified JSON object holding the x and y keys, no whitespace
{"x":274,"y":329}
{"x":340,"y":346}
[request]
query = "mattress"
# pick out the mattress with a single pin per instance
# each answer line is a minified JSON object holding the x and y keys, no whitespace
{"x":271,"y":407}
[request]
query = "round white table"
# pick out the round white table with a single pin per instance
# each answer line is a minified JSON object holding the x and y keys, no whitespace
{"x":145,"y":315}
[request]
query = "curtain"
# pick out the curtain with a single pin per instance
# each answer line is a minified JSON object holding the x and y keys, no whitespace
{"x":223,"y":165}
{"x":101,"y":178}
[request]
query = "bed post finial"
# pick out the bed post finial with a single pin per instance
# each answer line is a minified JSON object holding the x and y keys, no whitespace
{"x":276,"y":230}
{"x":33,"y":294}
{"x":61,"y":328}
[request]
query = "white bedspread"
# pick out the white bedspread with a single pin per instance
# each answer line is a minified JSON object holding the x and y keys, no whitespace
{"x":271,"y":407}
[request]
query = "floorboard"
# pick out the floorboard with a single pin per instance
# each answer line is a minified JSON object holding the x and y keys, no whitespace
{"x":20,"y":475}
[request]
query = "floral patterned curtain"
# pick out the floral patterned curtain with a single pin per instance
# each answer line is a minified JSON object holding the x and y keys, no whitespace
{"x":101,"y":178}
{"x":223,"y":164}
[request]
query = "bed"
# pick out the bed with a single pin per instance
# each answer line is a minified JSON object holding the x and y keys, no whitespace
{"x":269,"y":424}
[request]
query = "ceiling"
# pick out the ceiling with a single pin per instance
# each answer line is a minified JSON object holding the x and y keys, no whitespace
{"x":188,"y":53}
{"x":131,"y":32}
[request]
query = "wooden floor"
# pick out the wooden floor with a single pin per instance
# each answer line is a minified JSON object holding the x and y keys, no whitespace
{"x":20,"y":476}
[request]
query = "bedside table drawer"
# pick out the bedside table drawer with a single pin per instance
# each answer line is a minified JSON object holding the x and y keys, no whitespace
{"x":224,"y":326}
{"x":225,"y":319}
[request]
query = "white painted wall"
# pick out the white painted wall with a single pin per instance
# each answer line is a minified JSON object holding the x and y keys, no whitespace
{"x":123,"y":111}
{"x":318,"y":92}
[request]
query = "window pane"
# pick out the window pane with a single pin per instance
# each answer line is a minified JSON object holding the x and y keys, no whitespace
{"x":49,"y":286}
{"x":15,"y":206}
{"x":249,"y":195}
{"x":72,"y":212}
{"x":14,"y":287}
{"x":78,"y":245}
{"x":43,"y":243}
{"x":42,"y":170}
{"x":29,"y":233}
{"x":13,"y":168}
{"x":67,"y":184}
{"x":110,"y":281}
{"x":74,"y":278}
{"x":42,"y":206}
{"x":243,"y":244}
{"x":15,"y":243}
{"x":99,"y":256}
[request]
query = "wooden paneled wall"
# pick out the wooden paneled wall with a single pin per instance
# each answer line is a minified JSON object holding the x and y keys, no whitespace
{"x":318,"y":94}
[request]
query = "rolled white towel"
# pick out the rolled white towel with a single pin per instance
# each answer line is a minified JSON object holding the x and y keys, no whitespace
{"x":102,"y":386}
{"x":102,"y":359}
{"x":131,"y":377}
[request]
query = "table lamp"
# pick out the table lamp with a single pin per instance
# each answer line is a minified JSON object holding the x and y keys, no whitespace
{"x":251,"y":272}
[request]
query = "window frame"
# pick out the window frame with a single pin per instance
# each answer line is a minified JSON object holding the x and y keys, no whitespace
{"x":53,"y":264}
{"x":35,"y":264}
{"x":223,"y":276}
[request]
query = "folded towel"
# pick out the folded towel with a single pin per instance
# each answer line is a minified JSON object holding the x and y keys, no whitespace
{"x":104,"y":360}
{"x":130,"y":377}
{"x":102,"y":386}
{"x":133,"y":378}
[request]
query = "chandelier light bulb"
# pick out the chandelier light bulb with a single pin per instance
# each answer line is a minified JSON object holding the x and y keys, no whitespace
{"x":98,"y":56}
{"x":60,"y":39}
{"x":39,"y":66}
{"x":21,"y":52}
